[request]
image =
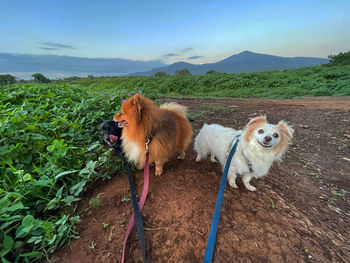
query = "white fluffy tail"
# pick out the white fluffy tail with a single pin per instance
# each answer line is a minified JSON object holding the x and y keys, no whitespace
{"x":173,"y":106}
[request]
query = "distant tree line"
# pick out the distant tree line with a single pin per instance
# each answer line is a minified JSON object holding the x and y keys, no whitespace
{"x":160,"y":74}
{"x":180,"y":72}
{"x":40,"y":78}
{"x":7,"y":79}
{"x":340,"y":59}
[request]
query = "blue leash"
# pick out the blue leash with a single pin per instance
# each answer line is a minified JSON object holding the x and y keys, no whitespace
{"x":214,"y":223}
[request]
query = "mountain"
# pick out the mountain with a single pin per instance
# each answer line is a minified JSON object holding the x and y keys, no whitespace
{"x":53,"y":66}
{"x":66,"y":65}
{"x":243,"y":62}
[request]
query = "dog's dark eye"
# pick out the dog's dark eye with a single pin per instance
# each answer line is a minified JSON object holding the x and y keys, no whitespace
{"x":276,"y":135}
{"x":260,"y":131}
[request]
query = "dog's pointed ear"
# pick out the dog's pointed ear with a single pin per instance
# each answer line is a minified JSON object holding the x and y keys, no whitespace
{"x":286,"y":137}
{"x":256,"y":120}
{"x":286,"y":129}
{"x":251,"y":126}
{"x":138,"y":104}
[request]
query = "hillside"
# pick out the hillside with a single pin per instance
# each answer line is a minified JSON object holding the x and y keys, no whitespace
{"x":243,"y":62}
{"x":68,"y":65}
{"x":305,"y":81}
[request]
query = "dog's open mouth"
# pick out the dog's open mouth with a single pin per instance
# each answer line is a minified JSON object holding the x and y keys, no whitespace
{"x":113,"y":138}
{"x":265,"y":144}
{"x":122,"y":123}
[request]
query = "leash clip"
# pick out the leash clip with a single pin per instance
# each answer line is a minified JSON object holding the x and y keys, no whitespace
{"x":147,"y":142}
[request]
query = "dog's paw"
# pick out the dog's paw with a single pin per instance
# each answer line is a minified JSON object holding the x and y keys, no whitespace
{"x":250,"y":188}
{"x":198,"y":159}
{"x":158,"y":172}
{"x":140,"y":167}
{"x":232,"y":183}
{"x":181,"y":156}
{"x":212,"y":159}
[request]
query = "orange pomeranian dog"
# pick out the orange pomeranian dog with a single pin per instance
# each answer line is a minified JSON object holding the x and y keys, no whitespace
{"x":166,"y":127}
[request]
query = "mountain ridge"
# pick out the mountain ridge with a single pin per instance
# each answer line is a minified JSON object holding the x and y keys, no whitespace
{"x":66,"y":64}
{"x":62,"y":66}
{"x":245,"y":61}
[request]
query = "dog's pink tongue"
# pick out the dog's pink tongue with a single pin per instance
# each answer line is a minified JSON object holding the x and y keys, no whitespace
{"x":113,"y":138}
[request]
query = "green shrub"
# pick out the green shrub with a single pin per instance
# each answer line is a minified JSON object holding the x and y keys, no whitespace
{"x":182,"y":72}
{"x":340,"y":59}
{"x":160,"y":74}
{"x":40,"y":78}
{"x":7,"y":79}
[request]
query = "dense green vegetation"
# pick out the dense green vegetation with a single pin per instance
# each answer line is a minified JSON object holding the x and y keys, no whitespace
{"x":7,"y":79}
{"x":340,"y":59}
{"x":40,"y":78}
{"x":308,"y":81}
{"x":49,"y":153}
{"x":49,"y":140}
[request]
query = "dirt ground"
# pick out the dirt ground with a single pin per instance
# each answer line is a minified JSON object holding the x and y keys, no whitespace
{"x":299,"y":213}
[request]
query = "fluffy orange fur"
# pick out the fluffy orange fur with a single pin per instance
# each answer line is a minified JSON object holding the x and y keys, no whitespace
{"x":168,"y":124}
{"x":286,"y":132}
{"x":286,"y":137}
{"x":252,"y":126}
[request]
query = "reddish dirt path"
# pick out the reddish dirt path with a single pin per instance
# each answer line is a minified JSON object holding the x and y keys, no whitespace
{"x":299,"y":213}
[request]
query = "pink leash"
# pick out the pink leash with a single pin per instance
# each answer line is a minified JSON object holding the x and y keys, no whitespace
{"x":141,"y":203}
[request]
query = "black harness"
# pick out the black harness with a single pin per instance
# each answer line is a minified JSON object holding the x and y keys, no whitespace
{"x":250,"y":166}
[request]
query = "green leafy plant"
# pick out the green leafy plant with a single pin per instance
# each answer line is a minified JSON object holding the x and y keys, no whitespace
{"x":49,"y":154}
{"x":95,"y":201}
{"x":125,"y":198}
{"x":92,"y":245}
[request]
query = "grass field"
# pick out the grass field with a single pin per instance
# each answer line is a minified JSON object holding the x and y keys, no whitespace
{"x":49,"y":141}
{"x":308,"y":81}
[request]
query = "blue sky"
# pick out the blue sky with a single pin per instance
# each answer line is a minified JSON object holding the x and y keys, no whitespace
{"x":192,"y":31}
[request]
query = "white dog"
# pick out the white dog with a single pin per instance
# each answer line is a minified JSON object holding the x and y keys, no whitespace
{"x":259,"y":145}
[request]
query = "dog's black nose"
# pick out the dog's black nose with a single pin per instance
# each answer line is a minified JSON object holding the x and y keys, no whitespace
{"x":268,"y":139}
